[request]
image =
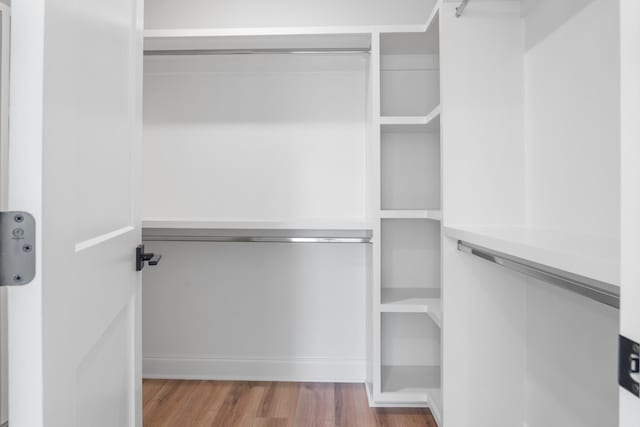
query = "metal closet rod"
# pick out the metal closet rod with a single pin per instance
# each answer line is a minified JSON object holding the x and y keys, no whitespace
{"x":460,"y":9}
{"x":255,"y":239}
{"x":272,"y":51}
{"x":584,"y":286}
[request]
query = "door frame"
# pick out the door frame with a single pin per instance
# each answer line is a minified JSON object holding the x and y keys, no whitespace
{"x":25,"y":193}
{"x":5,"y":12}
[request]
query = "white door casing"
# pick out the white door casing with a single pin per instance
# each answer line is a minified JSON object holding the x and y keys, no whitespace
{"x":4,"y":144}
{"x":75,"y":141}
{"x":630,"y":192}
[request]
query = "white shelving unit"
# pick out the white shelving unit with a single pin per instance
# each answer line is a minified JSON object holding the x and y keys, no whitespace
{"x":532,"y":173}
{"x":407,"y":314}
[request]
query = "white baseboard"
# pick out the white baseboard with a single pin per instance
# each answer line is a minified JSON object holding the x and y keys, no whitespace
{"x":297,"y":370}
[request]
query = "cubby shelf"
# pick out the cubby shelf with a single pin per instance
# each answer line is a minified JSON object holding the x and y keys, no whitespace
{"x":412,"y":300}
{"x":428,"y":123}
{"x":594,"y":257}
{"x":410,"y":383}
{"x":434,"y":214}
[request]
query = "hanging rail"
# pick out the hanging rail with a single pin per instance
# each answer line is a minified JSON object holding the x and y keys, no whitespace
{"x":590,"y":288}
{"x":460,"y":9}
{"x":256,"y":236}
{"x":271,"y":51}
{"x":256,"y":239}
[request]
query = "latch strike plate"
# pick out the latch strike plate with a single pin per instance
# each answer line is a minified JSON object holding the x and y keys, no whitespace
{"x":629,"y":365}
{"x":142,"y":257}
{"x":17,"y":248}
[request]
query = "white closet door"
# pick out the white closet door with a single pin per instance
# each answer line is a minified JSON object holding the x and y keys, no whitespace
{"x":630,"y":197}
{"x":75,"y":139}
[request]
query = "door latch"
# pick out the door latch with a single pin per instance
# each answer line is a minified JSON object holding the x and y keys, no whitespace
{"x":629,"y":365}
{"x":142,"y":257}
{"x":17,"y":248}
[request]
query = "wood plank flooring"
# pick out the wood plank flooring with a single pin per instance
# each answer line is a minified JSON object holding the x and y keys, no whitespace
{"x":172,"y":403}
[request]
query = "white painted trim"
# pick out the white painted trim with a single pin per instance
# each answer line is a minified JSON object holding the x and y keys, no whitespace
{"x":297,"y":370}
{"x":4,"y":174}
{"x":4,"y":104}
{"x":26,"y":388}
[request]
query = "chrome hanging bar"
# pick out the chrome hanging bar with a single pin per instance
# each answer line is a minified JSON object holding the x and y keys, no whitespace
{"x":255,"y":236}
{"x":460,"y":9}
{"x":255,"y":239}
{"x":272,"y":51}
{"x":602,"y":292}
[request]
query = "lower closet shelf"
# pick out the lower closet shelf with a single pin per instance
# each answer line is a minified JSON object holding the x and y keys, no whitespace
{"x":404,"y":384}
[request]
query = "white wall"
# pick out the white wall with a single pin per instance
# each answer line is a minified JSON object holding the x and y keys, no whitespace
{"x":482,"y":94}
{"x":283,"y":13}
{"x":256,"y":311}
{"x":572,"y":116}
{"x":571,"y":355}
{"x":255,"y":137}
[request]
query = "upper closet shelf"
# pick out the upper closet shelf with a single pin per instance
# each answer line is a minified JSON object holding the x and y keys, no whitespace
{"x":305,"y":38}
{"x":593,"y":257}
{"x":333,"y":37}
{"x":198,"y":40}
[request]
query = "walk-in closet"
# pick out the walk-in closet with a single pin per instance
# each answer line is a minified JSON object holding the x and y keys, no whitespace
{"x":362,"y":168}
{"x":345,"y":213}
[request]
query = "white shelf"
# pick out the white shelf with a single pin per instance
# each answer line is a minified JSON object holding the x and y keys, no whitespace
{"x":434,"y":214}
{"x":183,"y":33}
{"x":310,"y":224}
{"x":594,"y":257}
{"x":400,"y":124}
{"x":346,"y":37}
{"x":407,"y":384}
{"x":412,"y":300}
{"x":257,"y":38}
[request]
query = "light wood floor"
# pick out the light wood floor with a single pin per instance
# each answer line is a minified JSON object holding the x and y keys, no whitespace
{"x":264,"y":404}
